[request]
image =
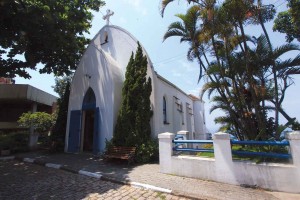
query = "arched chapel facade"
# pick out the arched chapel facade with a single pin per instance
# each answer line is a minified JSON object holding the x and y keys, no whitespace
{"x":96,"y":89}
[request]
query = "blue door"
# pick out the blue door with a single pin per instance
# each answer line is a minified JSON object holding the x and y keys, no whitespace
{"x":96,"y":144}
{"x":74,"y":131}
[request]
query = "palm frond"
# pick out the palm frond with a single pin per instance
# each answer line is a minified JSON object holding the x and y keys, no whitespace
{"x":223,"y":120}
{"x":175,"y":29}
{"x":208,"y":86}
{"x":185,"y":39}
{"x":190,"y":54}
{"x":192,"y":17}
{"x":213,"y":69}
{"x":279,"y":51}
{"x":210,"y":91}
{"x":289,"y":66}
{"x":262,"y":45}
{"x":219,"y":106}
{"x":218,"y":99}
{"x":182,"y":17}
{"x":164,"y":4}
{"x":177,"y":26}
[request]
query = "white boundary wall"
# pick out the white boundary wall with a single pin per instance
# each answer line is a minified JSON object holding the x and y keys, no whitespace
{"x":274,"y":176}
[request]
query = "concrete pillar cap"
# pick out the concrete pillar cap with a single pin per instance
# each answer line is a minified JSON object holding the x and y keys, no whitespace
{"x":295,"y":135}
{"x":182,"y":132}
{"x":166,"y":135}
{"x":221,"y":136}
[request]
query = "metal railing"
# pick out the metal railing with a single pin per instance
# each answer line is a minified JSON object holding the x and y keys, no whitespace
{"x":262,"y":154}
{"x":180,"y":143}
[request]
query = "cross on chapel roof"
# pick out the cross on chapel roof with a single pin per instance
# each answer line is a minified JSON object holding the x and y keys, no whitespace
{"x":107,"y":16}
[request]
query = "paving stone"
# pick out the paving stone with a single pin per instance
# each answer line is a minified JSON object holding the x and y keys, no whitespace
{"x":31,"y":181}
{"x":149,"y":174}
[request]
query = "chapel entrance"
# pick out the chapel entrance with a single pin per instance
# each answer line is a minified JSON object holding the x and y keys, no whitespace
{"x":89,"y":122}
{"x":88,"y":130}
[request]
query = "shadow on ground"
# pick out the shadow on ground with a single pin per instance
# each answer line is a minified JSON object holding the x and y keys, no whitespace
{"x":113,"y":168}
{"x":20,"y":180}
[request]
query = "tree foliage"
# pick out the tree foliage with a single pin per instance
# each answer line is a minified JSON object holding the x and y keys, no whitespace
{"x":61,"y":85}
{"x":50,"y":32}
{"x":40,"y":121}
{"x":133,"y":123}
{"x":288,"y":22}
{"x":245,"y":75}
{"x":59,"y":129}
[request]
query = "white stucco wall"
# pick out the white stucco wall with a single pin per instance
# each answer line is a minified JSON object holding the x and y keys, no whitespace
{"x":99,"y":72}
{"x":200,"y":123}
{"x":174,"y":117}
{"x":274,"y":176}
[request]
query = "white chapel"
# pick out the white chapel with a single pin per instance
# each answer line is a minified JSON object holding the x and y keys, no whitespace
{"x":96,"y":89}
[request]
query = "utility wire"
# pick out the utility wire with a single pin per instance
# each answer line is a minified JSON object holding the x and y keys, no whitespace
{"x":171,"y":59}
{"x":167,"y":60}
{"x":281,"y":4}
{"x":276,"y":2}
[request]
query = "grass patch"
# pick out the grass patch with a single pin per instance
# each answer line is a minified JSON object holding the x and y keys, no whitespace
{"x":206,"y":154}
{"x":260,"y":148}
{"x":160,"y":195}
{"x":250,"y":148}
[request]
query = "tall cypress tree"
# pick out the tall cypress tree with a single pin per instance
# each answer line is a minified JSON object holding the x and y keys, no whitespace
{"x":133,"y":123}
{"x":59,"y":130}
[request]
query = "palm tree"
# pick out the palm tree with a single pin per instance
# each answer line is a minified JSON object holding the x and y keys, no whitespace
{"x":243,"y":79}
{"x":186,"y":29}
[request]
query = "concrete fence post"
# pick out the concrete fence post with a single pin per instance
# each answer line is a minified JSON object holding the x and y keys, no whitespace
{"x":294,"y":139}
{"x":165,"y":151}
{"x":186,"y":136}
{"x":223,"y":158}
{"x":33,"y":136}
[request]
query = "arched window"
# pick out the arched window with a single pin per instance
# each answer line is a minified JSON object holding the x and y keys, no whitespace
{"x":165,"y":110}
{"x":89,"y":100}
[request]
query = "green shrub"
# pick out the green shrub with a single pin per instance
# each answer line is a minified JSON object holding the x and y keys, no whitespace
{"x":6,"y":142}
{"x":20,"y":141}
{"x":147,"y":152}
{"x":17,"y":142}
{"x":59,"y":129}
{"x":40,"y":121}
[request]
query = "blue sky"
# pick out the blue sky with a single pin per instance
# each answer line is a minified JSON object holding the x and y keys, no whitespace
{"x":142,"y":19}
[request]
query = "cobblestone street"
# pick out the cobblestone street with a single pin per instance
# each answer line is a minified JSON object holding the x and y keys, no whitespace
{"x":20,"y":180}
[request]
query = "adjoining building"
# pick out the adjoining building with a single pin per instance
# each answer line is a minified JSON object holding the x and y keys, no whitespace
{"x":16,"y":99}
{"x":96,"y":89}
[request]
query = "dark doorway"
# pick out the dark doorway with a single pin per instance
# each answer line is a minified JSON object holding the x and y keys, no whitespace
{"x":88,"y":130}
{"x":91,"y":120}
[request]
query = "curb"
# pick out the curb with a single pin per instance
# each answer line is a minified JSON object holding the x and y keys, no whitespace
{"x":150,"y":187}
{"x":89,"y":174}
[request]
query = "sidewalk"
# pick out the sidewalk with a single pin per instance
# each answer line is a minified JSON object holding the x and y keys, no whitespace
{"x":148,"y":176}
